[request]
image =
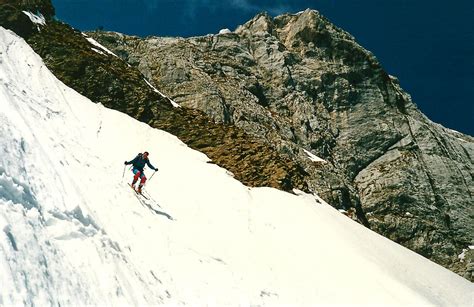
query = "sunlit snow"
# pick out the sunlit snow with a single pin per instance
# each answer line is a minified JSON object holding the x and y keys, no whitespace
{"x":98,"y":45}
{"x":225,"y":31}
{"x":74,"y":233}
{"x":313,"y":157}
{"x":37,"y":19}
{"x":161,"y":94}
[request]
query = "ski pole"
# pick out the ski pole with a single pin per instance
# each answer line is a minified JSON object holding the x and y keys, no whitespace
{"x":152,"y":176}
{"x":124,"y":167}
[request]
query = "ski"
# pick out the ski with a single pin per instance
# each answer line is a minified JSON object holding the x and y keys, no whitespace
{"x":141,"y":194}
{"x":150,"y":203}
{"x":138,"y":193}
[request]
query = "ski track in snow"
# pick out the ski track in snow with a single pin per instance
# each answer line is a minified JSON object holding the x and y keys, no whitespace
{"x":74,"y":233}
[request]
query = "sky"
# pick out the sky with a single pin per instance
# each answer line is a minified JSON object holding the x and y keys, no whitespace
{"x":427,"y":44}
{"x":74,"y":233}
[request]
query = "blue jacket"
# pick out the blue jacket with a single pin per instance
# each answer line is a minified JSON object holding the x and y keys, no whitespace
{"x":139,"y":163}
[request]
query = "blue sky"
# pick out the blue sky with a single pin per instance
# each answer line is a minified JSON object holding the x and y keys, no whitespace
{"x":428,"y":45}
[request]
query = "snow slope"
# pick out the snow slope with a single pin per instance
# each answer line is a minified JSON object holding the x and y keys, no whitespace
{"x":73,"y":232}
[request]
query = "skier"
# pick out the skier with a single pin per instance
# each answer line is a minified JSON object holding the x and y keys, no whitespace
{"x":139,"y":163}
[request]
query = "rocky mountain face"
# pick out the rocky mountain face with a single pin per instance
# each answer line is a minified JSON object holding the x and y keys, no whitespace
{"x":300,"y":84}
{"x":260,"y":100}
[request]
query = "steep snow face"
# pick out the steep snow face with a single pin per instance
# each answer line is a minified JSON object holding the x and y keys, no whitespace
{"x":73,"y":232}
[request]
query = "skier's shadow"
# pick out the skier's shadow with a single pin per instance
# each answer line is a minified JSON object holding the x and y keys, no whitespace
{"x":145,"y":204}
{"x":159,"y":212}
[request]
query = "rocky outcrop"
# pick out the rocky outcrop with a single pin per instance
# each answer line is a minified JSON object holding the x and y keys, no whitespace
{"x":301,"y":85}
{"x":12,"y":15}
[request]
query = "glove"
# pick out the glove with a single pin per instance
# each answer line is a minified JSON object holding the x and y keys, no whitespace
{"x":125,"y":162}
{"x":156,"y":169}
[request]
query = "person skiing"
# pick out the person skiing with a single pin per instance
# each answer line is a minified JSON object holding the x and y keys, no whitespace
{"x":139,"y":163}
